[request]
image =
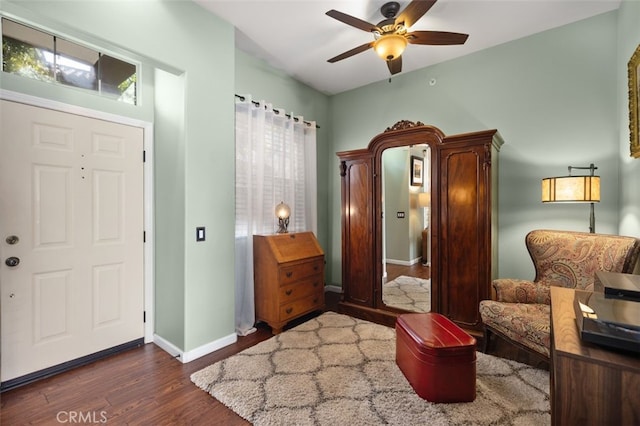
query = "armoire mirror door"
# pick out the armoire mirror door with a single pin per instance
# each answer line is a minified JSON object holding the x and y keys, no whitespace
{"x":362,"y":226}
{"x":406,"y":200}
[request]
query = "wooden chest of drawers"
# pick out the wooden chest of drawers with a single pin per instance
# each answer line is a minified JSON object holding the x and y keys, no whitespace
{"x":288,"y":277}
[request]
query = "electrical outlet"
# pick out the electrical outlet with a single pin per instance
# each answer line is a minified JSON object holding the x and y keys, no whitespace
{"x":400,"y":215}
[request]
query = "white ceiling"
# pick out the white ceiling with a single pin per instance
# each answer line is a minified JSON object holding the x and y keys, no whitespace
{"x":296,"y":36}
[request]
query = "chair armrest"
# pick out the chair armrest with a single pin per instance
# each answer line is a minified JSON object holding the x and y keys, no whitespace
{"x":521,"y":291}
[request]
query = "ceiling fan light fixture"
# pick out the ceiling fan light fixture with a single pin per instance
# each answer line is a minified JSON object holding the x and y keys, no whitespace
{"x":390,"y":46}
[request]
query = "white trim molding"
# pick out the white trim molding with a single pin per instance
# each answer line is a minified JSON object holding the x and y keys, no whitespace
{"x":404,"y":262}
{"x":333,"y":288}
{"x":208,"y":348}
{"x":196,"y":353}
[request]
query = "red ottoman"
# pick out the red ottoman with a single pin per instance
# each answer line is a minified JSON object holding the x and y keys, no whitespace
{"x":437,"y":357}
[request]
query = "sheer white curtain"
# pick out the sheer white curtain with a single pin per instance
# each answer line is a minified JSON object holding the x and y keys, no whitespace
{"x":275,"y":161}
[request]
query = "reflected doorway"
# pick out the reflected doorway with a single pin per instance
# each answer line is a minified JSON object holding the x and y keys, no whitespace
{"x":406,"y":192}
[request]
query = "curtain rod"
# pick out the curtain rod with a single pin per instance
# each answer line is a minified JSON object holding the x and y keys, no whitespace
{"x":242,"y":98}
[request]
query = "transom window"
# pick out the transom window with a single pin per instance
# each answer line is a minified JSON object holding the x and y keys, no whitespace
{"x":42,"y":56}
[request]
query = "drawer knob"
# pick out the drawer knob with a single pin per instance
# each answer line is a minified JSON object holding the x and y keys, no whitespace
{"x":315,"y":268}
{"x":315,"y":284}
{"x":289,"y":274}
{"x":289,"y":310}
{"x":315,"y":300}
{"x":288,"y":292}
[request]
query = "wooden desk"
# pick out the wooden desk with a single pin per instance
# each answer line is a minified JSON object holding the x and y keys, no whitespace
{"x":590,"y":385}
{"x":288,"y":274}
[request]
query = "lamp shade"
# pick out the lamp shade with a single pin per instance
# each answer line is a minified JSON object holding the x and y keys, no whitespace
{"x":283,"y":211}
{"x":390,"y":46}
{"x":571,"y":189}
{"x":424,"y":199}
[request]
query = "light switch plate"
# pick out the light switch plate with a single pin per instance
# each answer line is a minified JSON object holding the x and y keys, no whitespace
{"x":200,"y":233}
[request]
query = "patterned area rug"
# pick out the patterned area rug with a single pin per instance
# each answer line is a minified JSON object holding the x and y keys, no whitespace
{"x":409,"y":293}
{"x":335,"y":369}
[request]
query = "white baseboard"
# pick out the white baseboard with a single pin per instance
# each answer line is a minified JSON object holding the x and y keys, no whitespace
{"x":333,"y":288}
{"x":167,"y":346}
{"x":209,"y":347}
{"x":404,"y":262}
{"x":196,"y":353}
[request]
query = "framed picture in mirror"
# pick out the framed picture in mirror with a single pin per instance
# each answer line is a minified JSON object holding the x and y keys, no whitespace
{"x":417,"y":171}
{"x":634,"y":111}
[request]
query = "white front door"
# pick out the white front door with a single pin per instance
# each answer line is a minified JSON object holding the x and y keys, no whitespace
{"x":71,"y":229}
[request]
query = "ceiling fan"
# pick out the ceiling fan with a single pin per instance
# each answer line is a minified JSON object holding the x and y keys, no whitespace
{"x":391,"y":35}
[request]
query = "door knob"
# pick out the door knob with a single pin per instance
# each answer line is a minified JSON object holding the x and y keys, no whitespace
{"x":12,"y":261}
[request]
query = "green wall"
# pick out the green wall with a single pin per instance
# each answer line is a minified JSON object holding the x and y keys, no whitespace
{"x":169,"y":126}
{"x":403,"y":236}
{"x":628,"y":42}
{"x":395,"y":163}
{"x":552,"y":96}
{"x":194,"y":143}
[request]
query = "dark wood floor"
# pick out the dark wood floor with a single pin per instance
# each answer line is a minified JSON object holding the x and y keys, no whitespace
{"x":416,"y":270}
{"x":140,"y":386}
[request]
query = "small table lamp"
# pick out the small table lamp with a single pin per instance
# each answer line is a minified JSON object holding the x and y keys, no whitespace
{"x":282,"y":213}
{"x":574,"y":189}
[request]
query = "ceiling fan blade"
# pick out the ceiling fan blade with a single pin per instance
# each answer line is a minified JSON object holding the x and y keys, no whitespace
{"x":351,"y":52}
{"x":353,"y":21}
{"x":414,"y":11}
{"x":395,"y":65}
{"x":436,"y":37}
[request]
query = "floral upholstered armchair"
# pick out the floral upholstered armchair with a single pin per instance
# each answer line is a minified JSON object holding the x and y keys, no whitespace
{"x":520,"y":312}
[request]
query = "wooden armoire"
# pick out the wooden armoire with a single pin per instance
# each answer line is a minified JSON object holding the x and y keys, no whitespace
{"x":463,"y":222}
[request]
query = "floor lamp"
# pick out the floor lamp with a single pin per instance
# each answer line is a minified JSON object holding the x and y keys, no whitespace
{"x":574,"y":189}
